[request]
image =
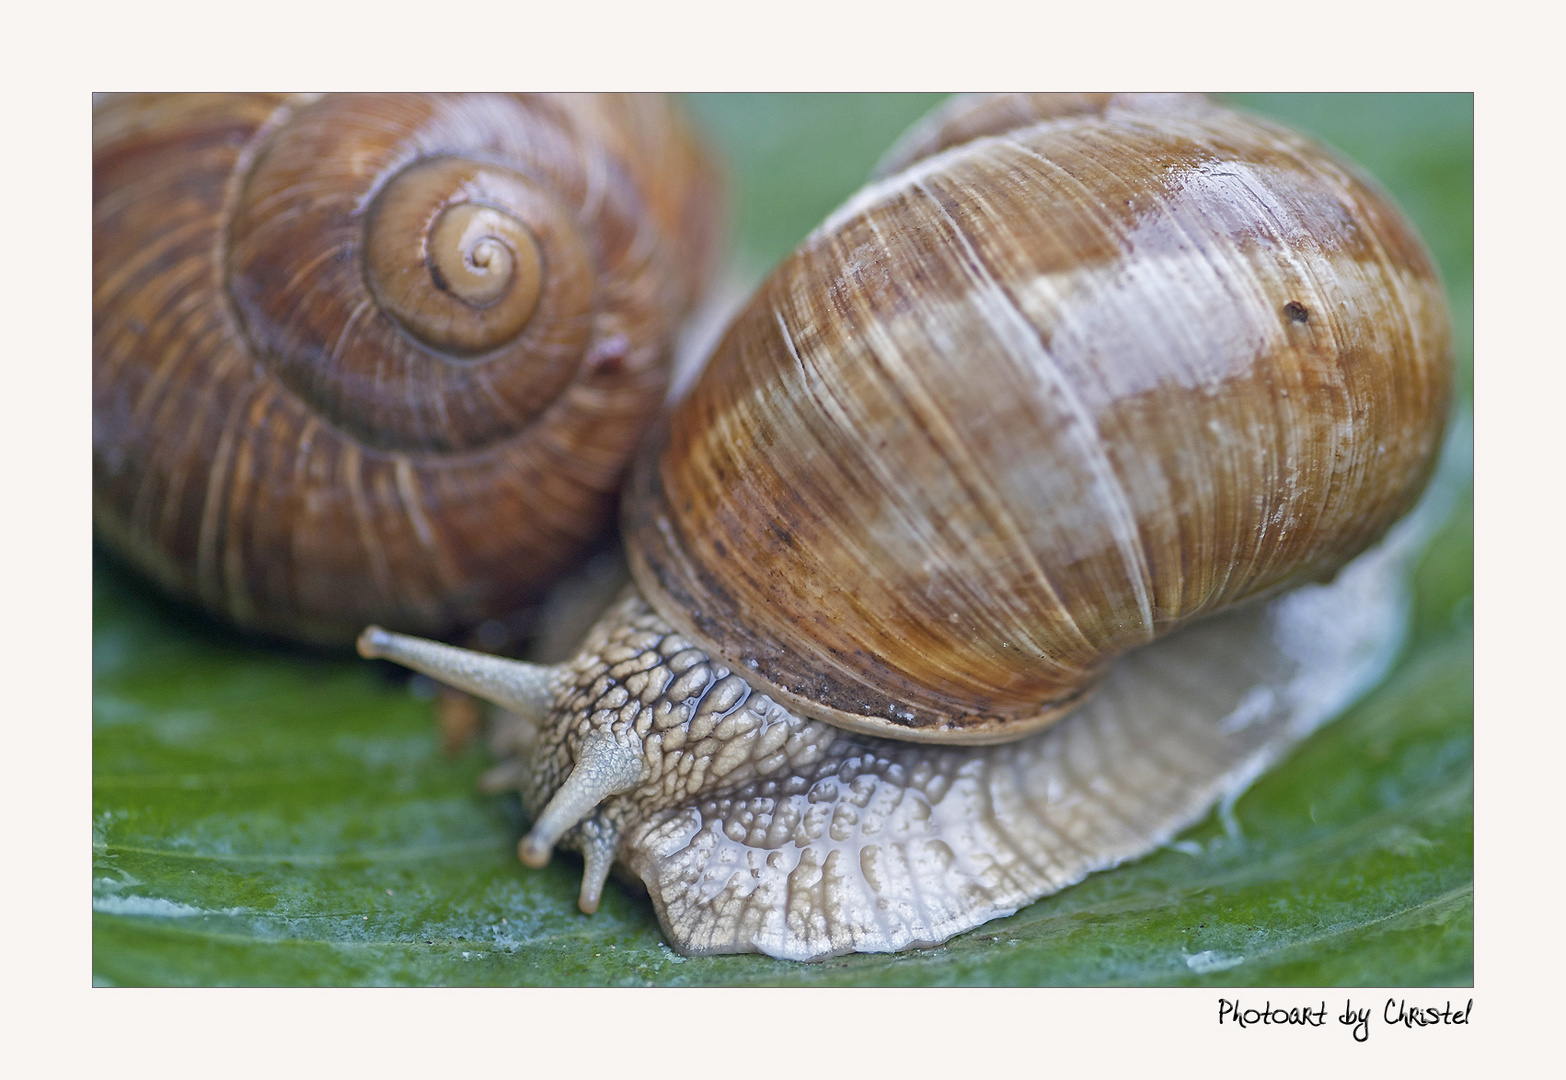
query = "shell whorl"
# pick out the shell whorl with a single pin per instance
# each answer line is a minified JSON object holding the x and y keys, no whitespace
{"x":380,"y":358}
{"x":1039,"y":399}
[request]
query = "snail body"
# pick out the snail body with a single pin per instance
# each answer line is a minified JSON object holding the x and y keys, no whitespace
{"x":380,"y":357}
{"x":1017,"y":518}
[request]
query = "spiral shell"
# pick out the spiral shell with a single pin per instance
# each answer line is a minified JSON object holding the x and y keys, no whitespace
{"x":1038,"y":400}
{"x":369,"y":357}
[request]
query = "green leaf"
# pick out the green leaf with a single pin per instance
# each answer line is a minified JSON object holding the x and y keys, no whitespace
{"x":267,"y":816}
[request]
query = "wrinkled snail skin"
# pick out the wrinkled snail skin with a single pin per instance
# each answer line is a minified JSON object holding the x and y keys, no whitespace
{"x":381,"y":358}
{"x":1034,"y":504}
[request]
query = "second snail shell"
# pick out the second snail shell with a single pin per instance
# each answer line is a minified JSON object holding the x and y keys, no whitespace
{"x":1018,"y":518}
{"x":381,"y":357}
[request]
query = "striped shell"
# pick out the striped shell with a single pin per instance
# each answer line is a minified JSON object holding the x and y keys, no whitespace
{"x":1040,"y":399}
{"x":380,"y":357}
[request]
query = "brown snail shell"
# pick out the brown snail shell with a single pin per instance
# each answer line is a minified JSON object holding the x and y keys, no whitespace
{"x":380,"y":357}
{"x":964,"y":465}
{"x":1218,"y":363}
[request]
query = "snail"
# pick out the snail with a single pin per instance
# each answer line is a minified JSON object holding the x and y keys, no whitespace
{"x":1034,"y":504}
{"x":386,"y":358}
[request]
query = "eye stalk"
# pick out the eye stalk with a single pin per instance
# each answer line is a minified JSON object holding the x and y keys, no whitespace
{"x":512,"y":684}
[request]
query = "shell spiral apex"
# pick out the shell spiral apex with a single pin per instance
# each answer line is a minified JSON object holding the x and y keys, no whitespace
{"x":1041,"y":498}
